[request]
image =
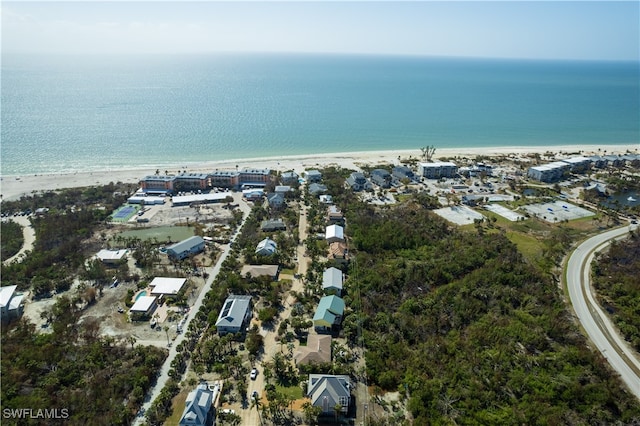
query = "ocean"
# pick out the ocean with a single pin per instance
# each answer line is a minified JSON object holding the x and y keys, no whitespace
{"x":80,"y":113}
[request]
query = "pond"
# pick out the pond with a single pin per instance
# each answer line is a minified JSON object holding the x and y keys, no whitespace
{"x":161,"y":233}
{"x":623,"y":199}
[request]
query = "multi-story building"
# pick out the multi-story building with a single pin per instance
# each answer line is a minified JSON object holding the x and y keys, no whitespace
{"x":437,"y":170}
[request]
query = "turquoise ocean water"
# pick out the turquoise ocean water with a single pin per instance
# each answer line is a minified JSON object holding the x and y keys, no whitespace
{"x":80,"y":113}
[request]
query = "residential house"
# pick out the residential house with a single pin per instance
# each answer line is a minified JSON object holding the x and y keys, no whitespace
{"x":112,"y":257}
{"x":166,"y":287}
{"x":289,"y":178}
{"x":198,"y":410}
{"x":273,"y":225}
{"x":317,"y":351}
{"x":266,"y":247}
{"x":235,"y":315}
{"x":282,"y":189}
{"x":334,"y":215}
{"x":332,"y":281}
{"x":317,"y":188}
{"x":402,"y":172}
{"x":327,"y":391}
{"x":325,"y":199}
{"x":270,"y":271}
{"x":338,"y":252}
{"x":143,"y":308}
{"x":334,"y":233}
{"x":381,"y":177}
{"x":186,"y":248}
{"x":11,"y":303}
{"x":313,"y":176}
{"x":328,"y":315}
{"x":358,"y":182}
{"x":276,"y":200}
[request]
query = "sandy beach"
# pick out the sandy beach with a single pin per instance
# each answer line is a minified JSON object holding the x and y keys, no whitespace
{"x":13,"y":187}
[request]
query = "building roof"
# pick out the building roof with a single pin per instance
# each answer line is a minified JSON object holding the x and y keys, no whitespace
{"x":331,"y":386}
{"x":337,"y":249}
{"x":318,"y":350}
{"x":259,"y":270}
{"x":438,"y":164}
{"x":267,"y":246}
{"x":111,"y":255}
{"x":233,"y":311}
{"x":332,"y":278}
{"x":143,"y":303}
{"x":329,"y":308}
{"x":201,"y":198}
{"x":325,"y":198}
{"x":169,"y":286}
{"x":315,"y":173}
{"x":186,"y":245}
{"x":197,"y":406}
{"x":275,"y":198}
{"x":316,"y":188}
{"x":6,"y":293}
{"x":282,"y":188}
{"x":274,"y":224}
{"x":334,"y":231}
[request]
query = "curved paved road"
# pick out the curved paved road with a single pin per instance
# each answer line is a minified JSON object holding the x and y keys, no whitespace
{"x":595,"y":322}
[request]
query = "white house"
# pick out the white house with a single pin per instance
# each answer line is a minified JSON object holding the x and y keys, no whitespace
{"x":111,"y":257}
{"x":198,"y":410}
{"x":266,"y":247}
{"x":11,"y":302}
{"x":334,"y":233}
{"x":163,"y":286}
{"x":332,"y":281}
{"x":235,"y":314}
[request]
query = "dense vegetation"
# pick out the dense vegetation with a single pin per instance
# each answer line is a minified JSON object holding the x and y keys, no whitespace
{"x":74,"y":214}
{"x":11,"y":239}
{"x":466,"y":329}
{"x":98,"y":381}
{"x":615,"y":276}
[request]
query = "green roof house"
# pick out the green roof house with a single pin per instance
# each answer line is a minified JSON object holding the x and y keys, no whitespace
{"x":329,"y":313}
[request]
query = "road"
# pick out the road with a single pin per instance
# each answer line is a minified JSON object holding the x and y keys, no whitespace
{"x":29,"y":237}
{"x":213,"y":273}
{"x":249,"y":416}
{"x":595,"y":322}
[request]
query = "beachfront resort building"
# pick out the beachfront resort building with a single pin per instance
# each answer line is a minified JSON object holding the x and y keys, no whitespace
{"x":198,"y":410}
{"x":157,"y":184}
{"x":185,"y":248}
{"x":437,"y":170}
{"x":235,"y":314}
{"x":552,"y":172}
{"x":328,"y":390}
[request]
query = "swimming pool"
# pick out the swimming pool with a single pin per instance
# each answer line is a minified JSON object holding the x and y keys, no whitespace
{"x":142,"y":293}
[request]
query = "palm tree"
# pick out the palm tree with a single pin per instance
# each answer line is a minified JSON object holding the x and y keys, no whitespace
{"x":337,"y":409}
{"x":255,"y":402}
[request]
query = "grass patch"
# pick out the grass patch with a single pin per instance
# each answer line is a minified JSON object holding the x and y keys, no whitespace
{"x":293,"y":392}
{"x":177,"y":405}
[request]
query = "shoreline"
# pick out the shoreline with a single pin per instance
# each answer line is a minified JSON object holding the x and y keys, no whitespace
{"x":14,"y":186}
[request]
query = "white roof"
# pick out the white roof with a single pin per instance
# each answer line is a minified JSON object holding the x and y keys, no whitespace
{"x":334,"y":231}
{"x":188,"y":199}
{"x":6,"y":293}
{"x":163,"y":285}
{"x":143,"y":304}
{"x":576,"y":160}
{"x":111,"y":254}
{"x":438,"y":164}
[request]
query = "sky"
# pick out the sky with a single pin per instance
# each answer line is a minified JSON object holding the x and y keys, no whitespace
{"x":592,"y":30}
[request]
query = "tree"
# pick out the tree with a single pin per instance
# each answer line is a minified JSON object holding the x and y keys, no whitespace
{"x":427,"y":152}
{"x":337,"y":409}
{"x":311,"y":412}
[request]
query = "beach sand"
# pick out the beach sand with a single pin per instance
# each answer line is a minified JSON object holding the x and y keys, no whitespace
{"x":13,"y":187}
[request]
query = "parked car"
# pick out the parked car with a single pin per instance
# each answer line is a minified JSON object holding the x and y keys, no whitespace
{"x":254,"y":374}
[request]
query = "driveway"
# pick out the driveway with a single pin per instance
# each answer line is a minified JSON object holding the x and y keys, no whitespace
{"x":595,"y":322}
{"x":29,"y":235}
